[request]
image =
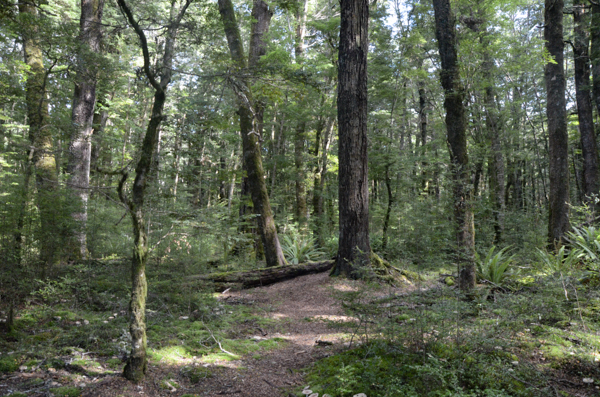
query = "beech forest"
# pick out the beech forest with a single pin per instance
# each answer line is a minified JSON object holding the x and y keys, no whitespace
{"x":321,"y":198}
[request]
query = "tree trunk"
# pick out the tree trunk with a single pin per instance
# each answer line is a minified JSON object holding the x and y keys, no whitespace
{"x":251,"y":121}
{"x":300,"y":135}
{"x":457,"y":141}
{"x":595,"y":55}
{"x":40,"y":137}
{"x":136,"y":366}
{"x":262,"y":277}
{"x":589,"y":150}
{"x":84,"y":99}
{"x":354,"y":248}
{"x":558,"y":223}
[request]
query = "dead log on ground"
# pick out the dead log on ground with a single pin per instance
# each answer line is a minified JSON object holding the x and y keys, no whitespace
{"x":264,"y":276}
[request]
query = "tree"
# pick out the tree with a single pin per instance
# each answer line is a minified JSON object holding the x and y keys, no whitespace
{"x":354,"y":247}
{"x":445,"y":32}
{"x":41,"y":154}
{"x":136,"y":362}
{"x":84,"y":99}
{"x":558,"y":139}
{"x":587,"y":135}
{"x":251,"y":118}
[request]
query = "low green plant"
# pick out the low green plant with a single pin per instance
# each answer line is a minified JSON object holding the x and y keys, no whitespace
{"x":494,"y":268}
{"x":66,"y":391}
{"x":560,"y":262}
{"x":8,"y":364}
{"x":298,"y":249}
{"x":586,"y":240}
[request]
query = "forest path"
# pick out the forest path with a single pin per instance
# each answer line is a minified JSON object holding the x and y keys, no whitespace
{"x":300,"y":317}
{"x":302,"y":311}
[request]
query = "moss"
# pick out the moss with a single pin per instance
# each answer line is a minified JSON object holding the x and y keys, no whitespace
{"x":8,"y":364}
{"x":196,"y":374}
{"x":66,"y":391}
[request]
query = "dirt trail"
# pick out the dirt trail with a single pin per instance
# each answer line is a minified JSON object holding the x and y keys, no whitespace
{"x":301,"y":307}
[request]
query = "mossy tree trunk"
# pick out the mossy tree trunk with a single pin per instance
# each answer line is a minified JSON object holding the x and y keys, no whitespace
{"x":40,"y":135}
{"x":82,"y":117}
{"x":445,"y":32}
{"x":250,"y":113}
{"x":136,"y":366}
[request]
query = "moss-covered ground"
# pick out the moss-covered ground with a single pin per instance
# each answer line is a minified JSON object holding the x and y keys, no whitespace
{"x":539,"y":335}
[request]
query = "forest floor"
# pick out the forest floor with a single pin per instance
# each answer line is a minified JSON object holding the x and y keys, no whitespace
{"x":539,"y":335}
{"x":301,"y":315}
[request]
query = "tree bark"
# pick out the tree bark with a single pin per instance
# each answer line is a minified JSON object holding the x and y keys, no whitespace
{"x":587,"y":136}
{"x":40,"y":136}
{"x":354,"y":248}
{"x":457,"y":141}
{"x":262,"y":277}
{"x":595,"y":54}
{"x":300,"y":135}
{"x":251,"y":120}
{"x":82,"y":117}
{"x":558,"y":223}
{"x":136,"y":366}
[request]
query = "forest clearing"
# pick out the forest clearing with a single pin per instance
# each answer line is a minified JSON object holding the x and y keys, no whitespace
{"x":291,"y":198}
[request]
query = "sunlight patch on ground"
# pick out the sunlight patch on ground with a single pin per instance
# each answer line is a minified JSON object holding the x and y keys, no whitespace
{"x":345,"y":288}
{"x":330,"y":317}
{"x":276,"y":316}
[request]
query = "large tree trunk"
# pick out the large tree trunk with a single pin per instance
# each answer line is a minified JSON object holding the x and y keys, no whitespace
{"x":136,"y":366}
{"x":457,"y":141}
{"x":84,"y":99}
{"x":40,"y":137}
{"x":589,"y":150}
{"x":558,"y":223}
{"x":354,"y":248}
{"x":251,"y":120}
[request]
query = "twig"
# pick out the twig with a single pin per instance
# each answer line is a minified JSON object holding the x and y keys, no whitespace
{"x":218,"y":343}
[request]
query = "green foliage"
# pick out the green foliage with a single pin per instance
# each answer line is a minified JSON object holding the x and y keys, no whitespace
{"x":494,"y":267}
{"x":298,"y":249}
{"x":587,"y":241}
{"x":66,"y":391}
{"x":560,"y":262}
{"x":8,"y":364}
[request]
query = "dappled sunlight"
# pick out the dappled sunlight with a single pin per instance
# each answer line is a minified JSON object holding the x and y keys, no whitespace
{"x":277,"y":316}
{"x":329,"y":317}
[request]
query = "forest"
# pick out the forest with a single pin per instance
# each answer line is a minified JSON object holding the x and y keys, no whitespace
{"x":299,"y":198}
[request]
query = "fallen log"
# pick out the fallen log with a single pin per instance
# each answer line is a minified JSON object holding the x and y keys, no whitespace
{"x":262,"y":277}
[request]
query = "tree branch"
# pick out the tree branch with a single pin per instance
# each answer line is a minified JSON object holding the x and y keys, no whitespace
{"x":143,"y":43}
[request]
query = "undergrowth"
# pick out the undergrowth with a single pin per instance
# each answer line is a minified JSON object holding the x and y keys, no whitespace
{"x":541,"y":339}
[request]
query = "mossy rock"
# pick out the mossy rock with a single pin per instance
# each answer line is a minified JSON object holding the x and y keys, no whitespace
{"x":449,"y":281}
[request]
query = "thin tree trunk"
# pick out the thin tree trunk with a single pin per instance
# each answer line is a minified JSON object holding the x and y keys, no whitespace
{"x":354,"y":248}
{"x":300,"y":135}
{"x":136,"y":366}
{"x":558,"y":223}
{"x":589,"y":149}
{"x":82,"y":117}
{"x":595,"y":55}
{"x":457,"y":140}
{"x":251,"y":120}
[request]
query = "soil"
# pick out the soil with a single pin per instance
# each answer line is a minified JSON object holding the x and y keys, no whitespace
{"x":305,"y":308}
